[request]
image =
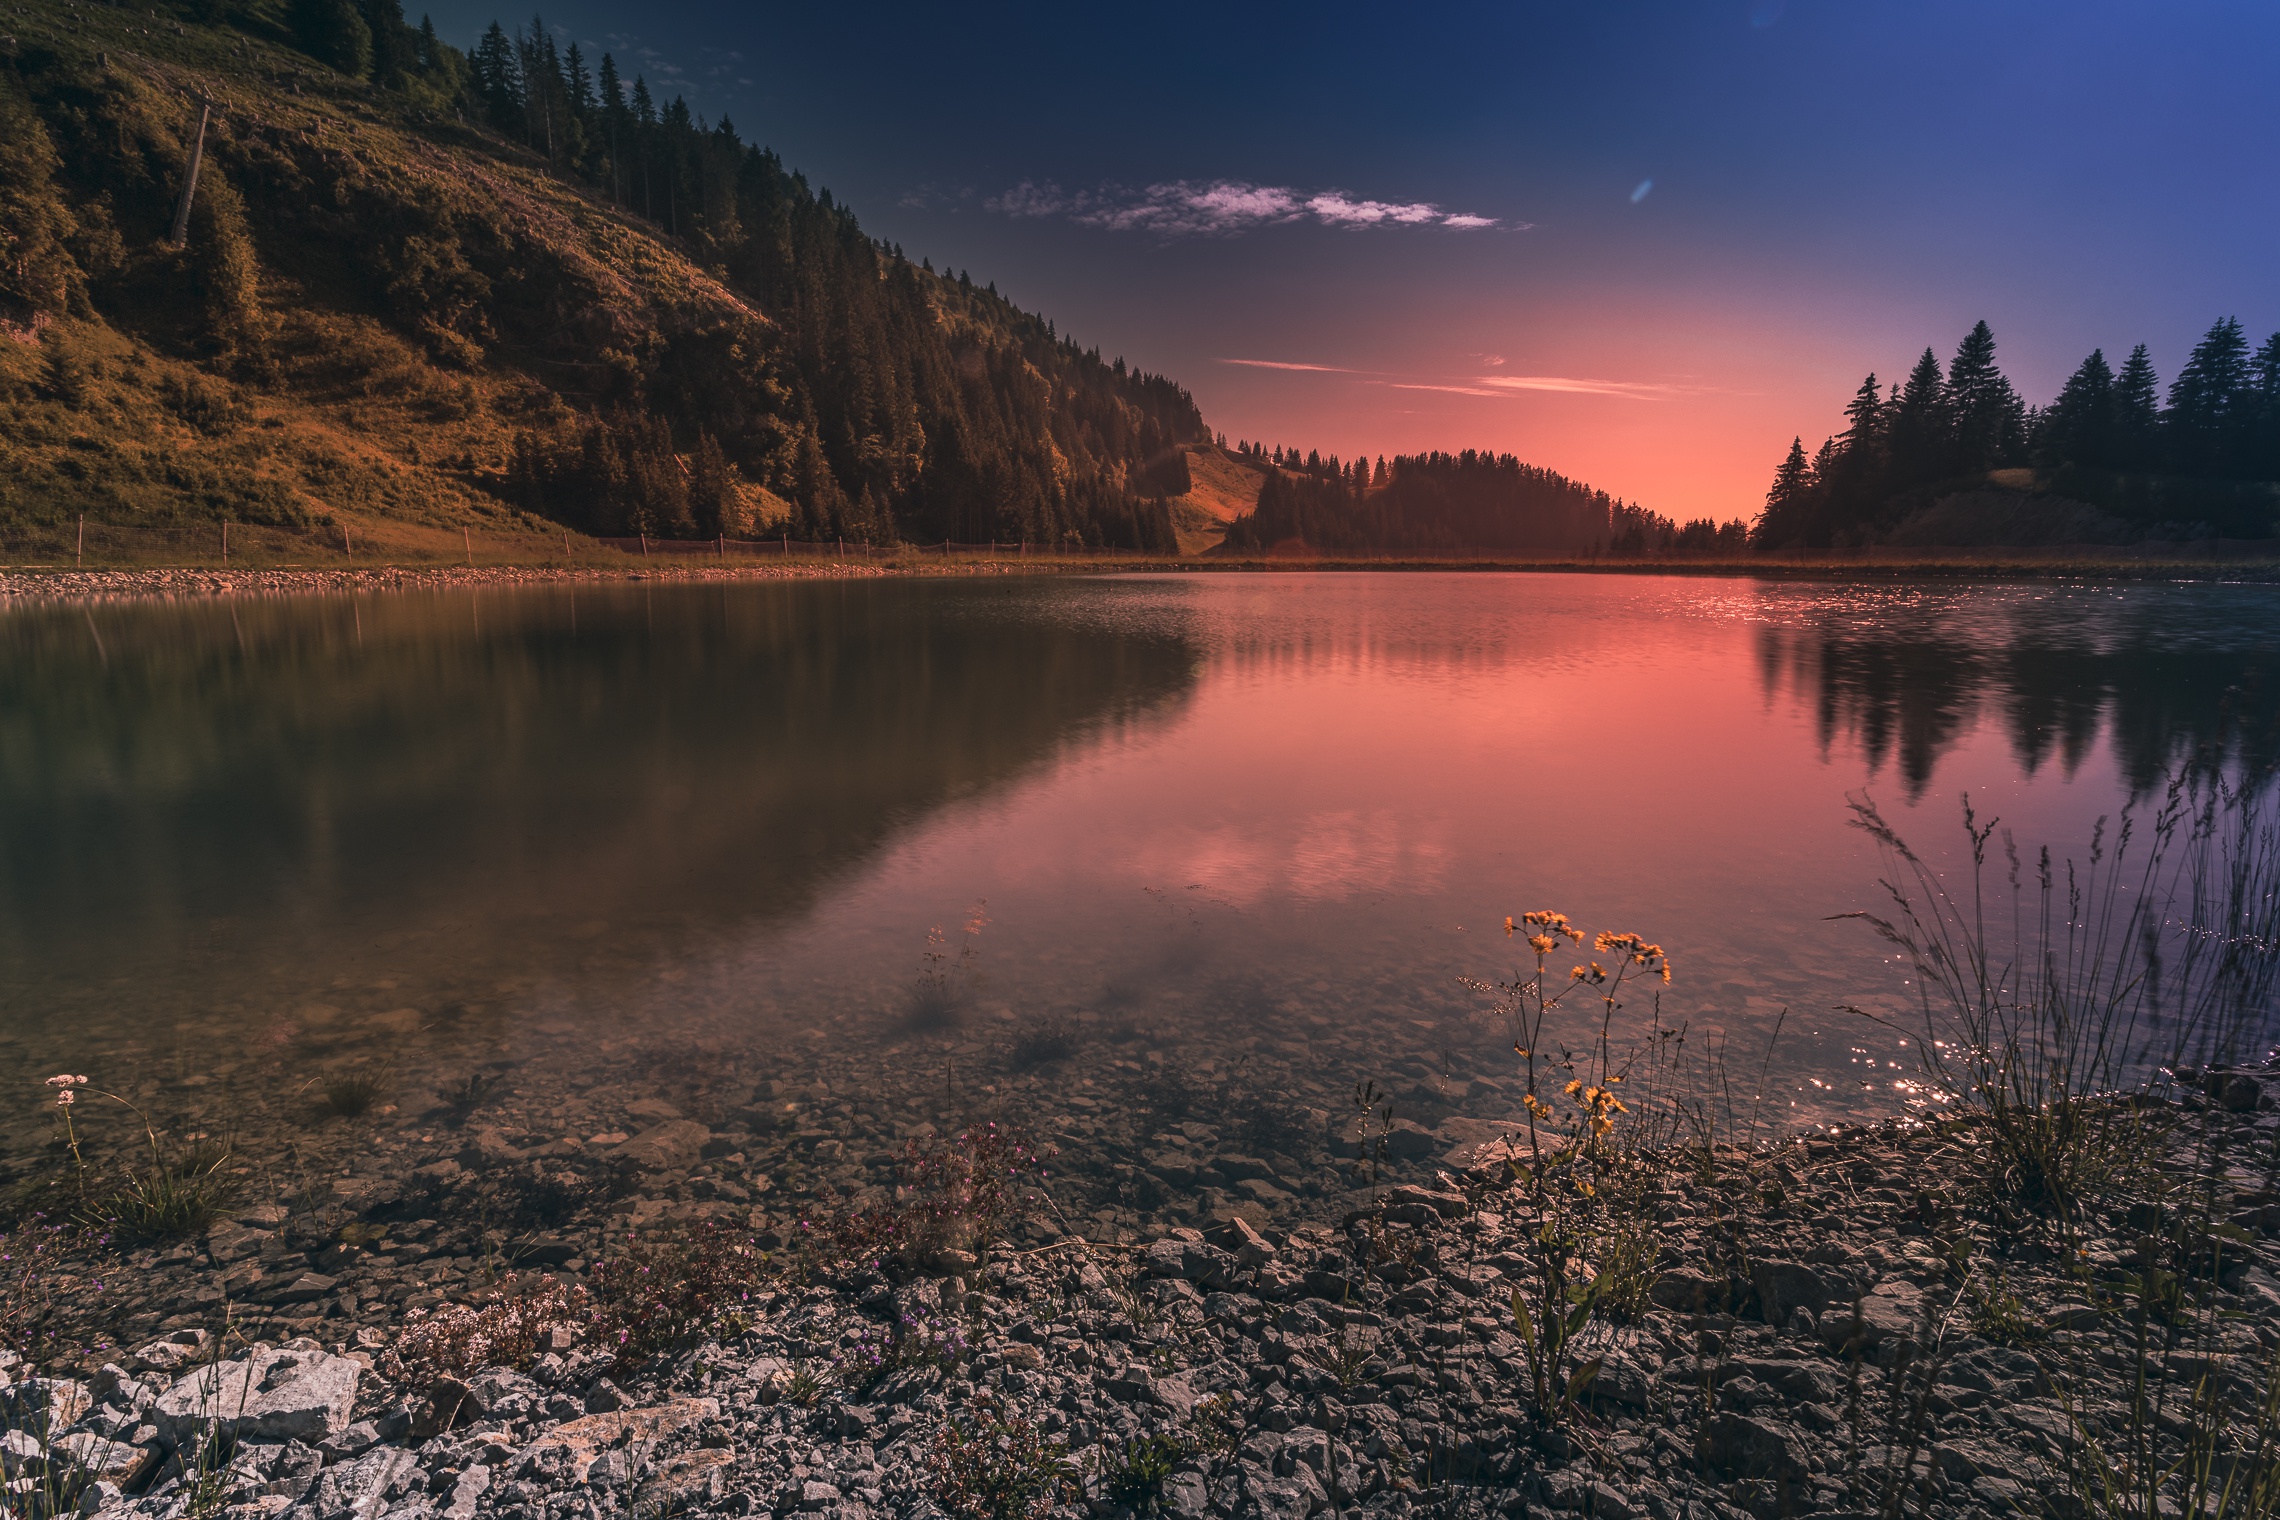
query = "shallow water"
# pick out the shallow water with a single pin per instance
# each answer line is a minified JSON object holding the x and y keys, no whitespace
{"x":697,"y":836}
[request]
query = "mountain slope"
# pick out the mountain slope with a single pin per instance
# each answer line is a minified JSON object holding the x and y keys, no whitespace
{"x":385,"y":317}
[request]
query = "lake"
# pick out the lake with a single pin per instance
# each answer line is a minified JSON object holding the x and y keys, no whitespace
{"x":1109,"y":856}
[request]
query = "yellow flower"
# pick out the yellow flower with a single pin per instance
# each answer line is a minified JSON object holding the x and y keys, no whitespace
{"x":1540,"y":943}
{"x":1573,"y":1084}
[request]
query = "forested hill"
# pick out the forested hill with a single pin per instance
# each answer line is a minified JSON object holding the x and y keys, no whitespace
{"x":1450,"y":504}
{"x":1957,"y":457}
{"x":422,"y":285}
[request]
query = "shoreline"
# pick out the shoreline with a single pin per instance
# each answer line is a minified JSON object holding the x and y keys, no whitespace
{"x":1809,"y":1326}
{"x":27,"y":584}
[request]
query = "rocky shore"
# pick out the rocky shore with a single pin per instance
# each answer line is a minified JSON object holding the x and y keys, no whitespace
{"x":1844,"y":1324}
{"x":119,"y":585}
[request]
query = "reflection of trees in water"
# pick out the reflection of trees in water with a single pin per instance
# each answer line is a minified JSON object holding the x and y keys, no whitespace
{"x":445,"y":767}
{"x":1907,"y":689}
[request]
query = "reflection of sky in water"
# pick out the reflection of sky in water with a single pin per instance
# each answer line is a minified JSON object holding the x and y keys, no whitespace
{"x":1219,"y":808}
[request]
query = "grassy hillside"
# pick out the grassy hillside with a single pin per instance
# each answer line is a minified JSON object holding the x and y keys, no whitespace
{"x":1222,"y":486}
{"x":388,"y":319}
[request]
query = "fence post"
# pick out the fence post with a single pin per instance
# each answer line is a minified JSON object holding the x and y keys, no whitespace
{"x":225,"y":538}
{"x":565,"y":543}
{"x":842,"y":548}
{"x":724,"y":546}
{"x":644,"y":542}
{"x":467,"y":541}
{"x":787,"y":543}
{"x":80,"y":553}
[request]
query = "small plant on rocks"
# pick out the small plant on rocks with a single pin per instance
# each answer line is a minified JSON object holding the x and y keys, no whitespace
{"x":997,"y":1465}
{"x":958,"y":1193}
{"x":351,"y":1091}
{"x":915,"y":1340}
{"x":509,"y":1329}
{"x":656,"y":1294}
{"x":1572,"y":1156}
{"x":1134,"y":1472}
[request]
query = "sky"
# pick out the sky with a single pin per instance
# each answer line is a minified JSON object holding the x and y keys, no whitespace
{"x":1641,"y":242}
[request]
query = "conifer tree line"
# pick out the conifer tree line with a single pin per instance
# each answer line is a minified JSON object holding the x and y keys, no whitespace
{"x":1439,"y":503}
{"x":913,"y":403}
{"x":2188,"y":463}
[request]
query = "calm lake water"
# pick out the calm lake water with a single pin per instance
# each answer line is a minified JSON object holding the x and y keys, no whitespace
{"x":695,"y":826}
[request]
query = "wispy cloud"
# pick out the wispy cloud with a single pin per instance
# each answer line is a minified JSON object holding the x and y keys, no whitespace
{"x":1327,"y":369}
{"x":1454,"y":390}
{"x":1576,"y":386}
{"x":1491,"y":387}
{"x":1185,"y":208}
{"x":1507,"y":385}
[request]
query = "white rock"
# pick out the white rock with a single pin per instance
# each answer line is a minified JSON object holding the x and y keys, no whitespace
{"x":272,"y":1395}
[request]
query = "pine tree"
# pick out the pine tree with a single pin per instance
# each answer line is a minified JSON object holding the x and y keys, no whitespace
{"x":2079,"y":427}
{"x":331,"y":31}
{"x":581,"y":84}
{"x":2206,"y":423}
{"x":2137,"y":414}
{"x":2264,"y":456}
{"x":1985,"y":412}
{"x":1920,"y":431}
{"x":498,"y":80}
{"x":393,"y":54}
{"x":1788,"y":519}
{"x":613,"y":133}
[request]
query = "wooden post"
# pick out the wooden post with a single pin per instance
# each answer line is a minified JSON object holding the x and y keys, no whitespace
{"x":347,"y":549}
{"x":566,"y":543}
{"x":644,"y":543}
{"x":467,"y":541}
{"x":190,"y":179}
{"x":724,"y":546}
{"x":225,"y":538}
{"x":787,"y":543}
{"x":80,"y":552}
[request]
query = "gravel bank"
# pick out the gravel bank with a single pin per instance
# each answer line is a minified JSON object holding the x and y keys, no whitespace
{"x":119,"y":585}
{"x":1835,"y":1325}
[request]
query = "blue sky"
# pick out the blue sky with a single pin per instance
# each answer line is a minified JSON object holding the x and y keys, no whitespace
{"x":1706,"y":220}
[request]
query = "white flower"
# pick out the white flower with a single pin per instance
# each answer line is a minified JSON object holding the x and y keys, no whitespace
{"x":66,"y":1080}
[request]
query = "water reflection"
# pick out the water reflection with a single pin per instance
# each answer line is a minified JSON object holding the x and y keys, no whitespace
{"x":211,"y":787}
{"x":2173,"y":676}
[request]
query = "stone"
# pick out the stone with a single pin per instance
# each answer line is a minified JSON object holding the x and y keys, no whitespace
{"x":1749,"y":1447}
{"x":169,"y":1353}
{"x":303,"y":1288}
{"x":1409,"y":1204}
{"x":1887,"y":1316}
{"x":1786,"y":1286}
{"x":365,"y":1486}
{"x":466,"y":1490}
{"x":1409,"y":1141}
{"x":680,"y":1483}
{"x":1687,"y":1291}
{"x":120,"y":1462}
{"x":45,"y":1404}
{"x":592,"y":1433}
{"x":274,"y":1395}
{"x":2242,"y":1094}
{"x":1477,"y":1143}
{"x":231,"y":1241}
{"x":667,"y":1147}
